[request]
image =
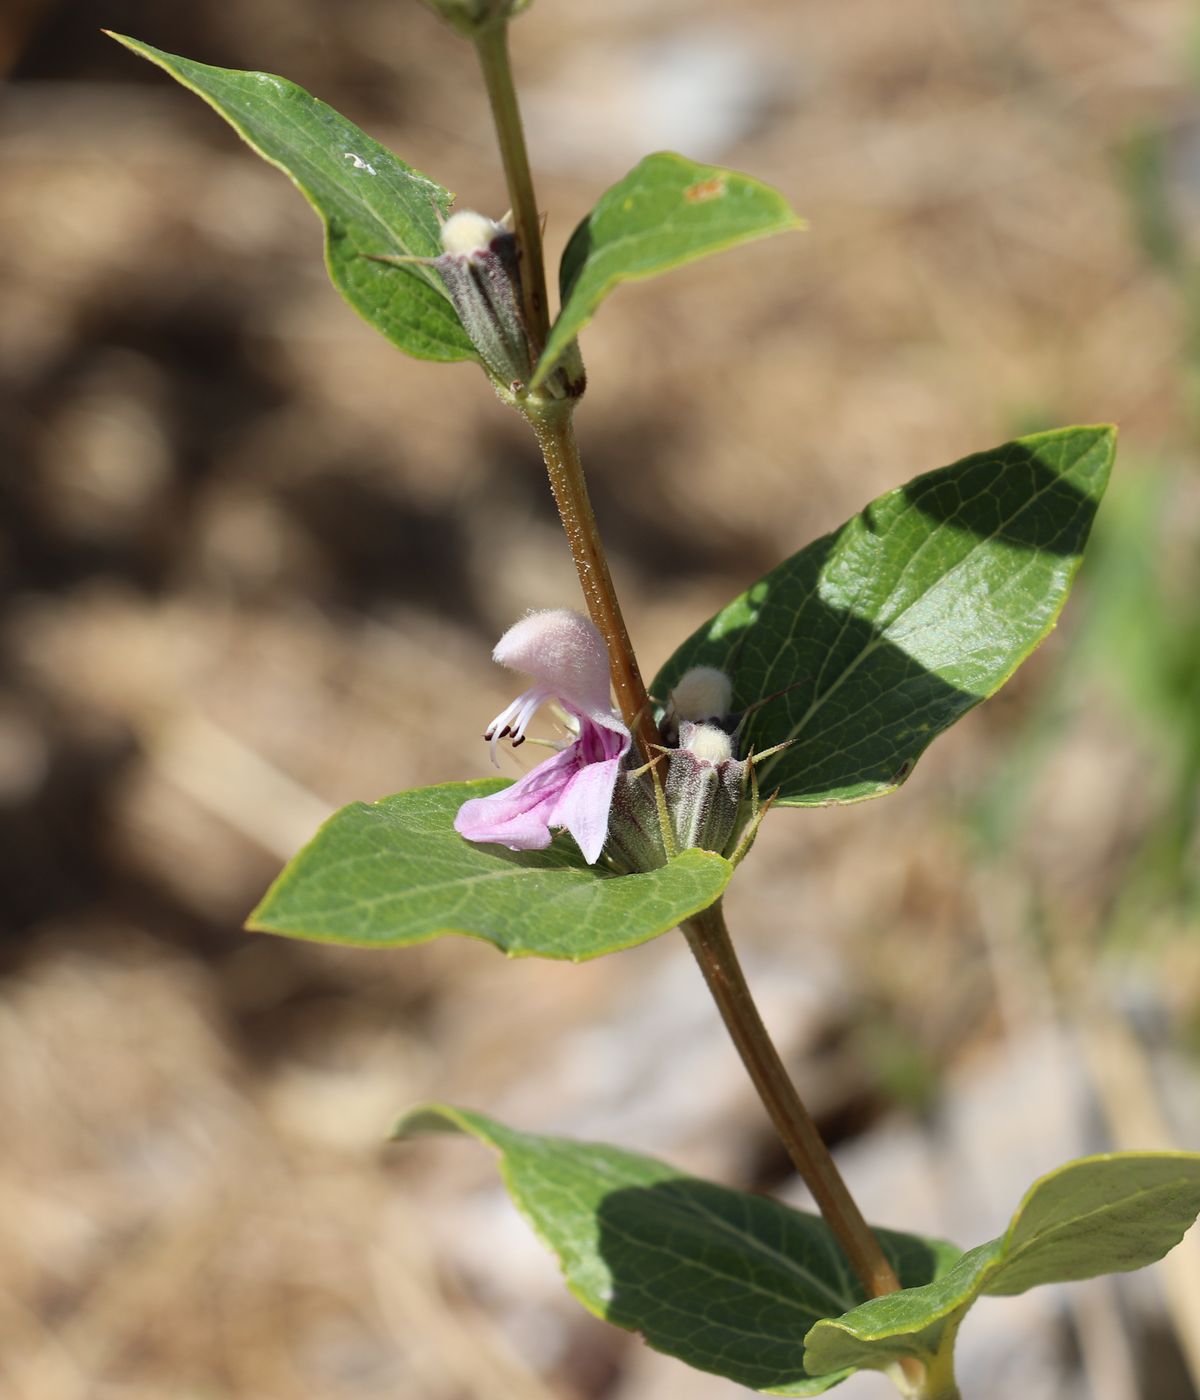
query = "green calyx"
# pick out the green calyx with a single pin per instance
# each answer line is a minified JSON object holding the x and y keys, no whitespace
{"x":475,"y":17}
{"x":711,"y":802}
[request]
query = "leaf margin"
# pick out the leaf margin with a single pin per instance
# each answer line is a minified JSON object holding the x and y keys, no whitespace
{"x":1103,"y":441}
{"x":435,"y":1118}
{"x":558,"y":342}
{"x":461,"y":352}
{"x":980,"y":1267}
{"x":258,"y":922}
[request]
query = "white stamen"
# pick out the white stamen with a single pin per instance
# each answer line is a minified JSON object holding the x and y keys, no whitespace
{"x":500,"y":725}
{"x":532,"y":700}
{"x":513,"y":720}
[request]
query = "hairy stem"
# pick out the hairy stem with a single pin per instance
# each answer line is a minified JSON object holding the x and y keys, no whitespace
{"x":491,"y":44}
{"x":556,"y":437}
{"x":551,"y":421}
{"x":710,"y":942}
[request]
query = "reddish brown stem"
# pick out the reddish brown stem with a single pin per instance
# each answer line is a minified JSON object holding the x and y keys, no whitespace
{"x":556,"y":438}
{"x":710,"y":942}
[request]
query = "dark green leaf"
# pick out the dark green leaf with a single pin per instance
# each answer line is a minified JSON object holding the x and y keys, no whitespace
{"x":369,"y":201}
{"x":1099,"y":1215}
{"x":726,"y":1281}
{"x":879,"y":636}
{"x":667,"y":211}
{"x":396,"y":872}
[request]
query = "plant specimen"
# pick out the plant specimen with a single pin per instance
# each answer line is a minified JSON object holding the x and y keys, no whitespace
{"x":823,"y":682}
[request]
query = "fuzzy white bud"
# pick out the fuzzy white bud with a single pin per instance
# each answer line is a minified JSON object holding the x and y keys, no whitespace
{"x":468,"y":232}
{"x":701,"y":693}
{"x":482,"y":273}
{"x":708,"y":743}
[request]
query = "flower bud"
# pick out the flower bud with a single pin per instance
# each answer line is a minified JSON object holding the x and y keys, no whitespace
{"x":473,"y":17}
{"x":702,"y":694}
{"x":705,"y":786}
{"x":481,"y":271}
{"x":710,"y":801}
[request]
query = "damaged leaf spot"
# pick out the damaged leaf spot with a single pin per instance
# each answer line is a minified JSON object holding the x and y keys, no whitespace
{"x":705,"y":190}
{"x":666,"y":212}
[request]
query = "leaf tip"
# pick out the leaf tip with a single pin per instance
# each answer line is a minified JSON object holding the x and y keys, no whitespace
{"x":137,"y":46}
{"x":415,"y":1122}
{"x":430,"y":1118}
{"x":258,"y":920}
{"x":254,"y":922}
{"x":1106,"y":431}
{"x":1102,"y":432}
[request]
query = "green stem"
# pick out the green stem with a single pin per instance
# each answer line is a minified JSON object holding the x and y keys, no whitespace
{"x":710,"y":942}
{"x":553,"y":428}
{"x":938,"y":1381}
{"x":491,"y":44}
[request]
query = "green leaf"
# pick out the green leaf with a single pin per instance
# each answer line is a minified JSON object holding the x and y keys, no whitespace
{"x":874,"y":639}
{"x":666,"y":212}
{"x":395,"y":872}
{"x":726,"y":1281}
{"x":369,"y":201}
{"x":1099,"y":1215}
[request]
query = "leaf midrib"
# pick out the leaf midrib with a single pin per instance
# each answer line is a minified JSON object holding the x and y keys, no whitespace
{"x":689,"y":1210}
{"x":235,"y":117}
{"x":357,"y":201}
{"x":879,"y":639}
{"x":1047,"y":1236}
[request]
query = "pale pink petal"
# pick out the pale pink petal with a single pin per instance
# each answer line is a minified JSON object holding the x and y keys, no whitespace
{"x":519,"y":816}
{"x":601,"y":737}
{"x":584,"y":805}
{"x":566,"y":656}
{"x":614,"y":727}
{"x":563,"y":651}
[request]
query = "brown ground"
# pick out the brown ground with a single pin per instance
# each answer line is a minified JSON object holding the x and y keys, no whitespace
{"x":253,"y":564}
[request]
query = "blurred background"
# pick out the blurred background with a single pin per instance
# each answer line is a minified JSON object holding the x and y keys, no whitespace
{"x":253,"y":563}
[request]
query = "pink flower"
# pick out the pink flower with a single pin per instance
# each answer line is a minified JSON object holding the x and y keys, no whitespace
{"x":566,"y":656}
